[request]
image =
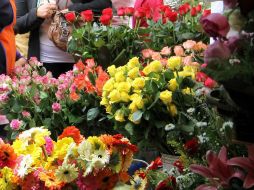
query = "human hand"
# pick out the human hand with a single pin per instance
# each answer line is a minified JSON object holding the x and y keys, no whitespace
{"x":46,"y":10}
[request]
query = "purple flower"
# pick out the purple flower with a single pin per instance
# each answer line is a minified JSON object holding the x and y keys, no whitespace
{"x":16,"y":124}
{"x":56,"y":107}
{"x":217,"y":50}
{"x":215,"y":25}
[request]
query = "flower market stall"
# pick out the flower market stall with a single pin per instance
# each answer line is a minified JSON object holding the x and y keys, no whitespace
{"x":148,"y":107}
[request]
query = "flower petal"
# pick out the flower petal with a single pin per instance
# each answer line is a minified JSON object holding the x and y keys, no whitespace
{"x":206,"y":187}
{"x":249,"y":181}
{"x":201,"y":170}
{"x":241,"y":162}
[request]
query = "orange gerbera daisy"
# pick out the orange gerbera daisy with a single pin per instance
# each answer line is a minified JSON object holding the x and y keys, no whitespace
{"x":7,"y":156}
{"x":50,"y":181}
{"x":73,"y":132}
{"x":107,"y":179}
{"x":109,"y":141}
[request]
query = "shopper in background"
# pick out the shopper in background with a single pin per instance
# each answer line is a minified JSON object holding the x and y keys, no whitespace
{"x":34,"y":16}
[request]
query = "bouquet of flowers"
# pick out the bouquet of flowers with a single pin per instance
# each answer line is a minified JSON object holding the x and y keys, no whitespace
{"x":146,"y":99}
{"x":33,"y":98}
{"x":35,"y":161}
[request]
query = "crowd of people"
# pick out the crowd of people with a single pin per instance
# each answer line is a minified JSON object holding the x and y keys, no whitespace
{"x":33,"y":18}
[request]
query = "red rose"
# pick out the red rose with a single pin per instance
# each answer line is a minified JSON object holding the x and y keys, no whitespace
{"x":164,"y":8}
{"x":139,"y":13}
{"x":155,"y":164}
{"x":206,"y":12}
{"x":210,"y":83}
{"x":215,"y":51}
{"x":87,"y":15}
{"x":70,"y":17}
{"x":108,"y":11}
{"x":172,"y":16}
{"x":193,"y":12}
{"x":129,"y":11}
{"x":105,"y":19}
{"x":215,"y":25}
{"x":183,"y":9}
{"x":120,"y":11}
{"x":198,"y":8}
{"x":191,"y":146}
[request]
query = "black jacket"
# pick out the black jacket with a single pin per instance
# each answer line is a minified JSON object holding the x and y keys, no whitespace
{"x":27,"y":21}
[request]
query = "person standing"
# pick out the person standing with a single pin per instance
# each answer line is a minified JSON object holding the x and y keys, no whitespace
{"x":7,"y":36}
{"x":34,"y":16}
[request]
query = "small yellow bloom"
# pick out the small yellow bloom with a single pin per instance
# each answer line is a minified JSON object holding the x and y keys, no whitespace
{"x":119,"y":76}
{"x":124,"y":87}
{"x":172,"y":110}
{"x":112,"y":70}
{"x":187,"y":91}
{"x":109,"y":109}
{"x":172,"y":84}
{"x":138,"y":83}
{"x":134,"y":62}
{"x":125,"y":97}
{"x":104,"y":101}
{"x":154,"y":66}
{"x":109,"y":85}
{"x":119,"y":115}
{"x":166,"y":97}
{"x":139,"y":102}
{"x":174,"y":62}
{"x":133,"y":73}
{"x":186,"y":74}
{"x":61,"y":147}
{"x":133,"y":107}
{"x":114,"y":96}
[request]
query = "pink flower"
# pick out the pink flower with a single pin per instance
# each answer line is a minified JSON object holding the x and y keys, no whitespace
{"x":147,"y":53}
{"x":215,"y":25}
{"x":187,"y":60}
{"x":178,"y":50}
{"x":16,"y":124}
{"x":210,"y":83}
{"x":4,"y":98}
{"x":3,"y":120}
{"x":201,"y":77}
{"x":166,"y":51}
{"x":121,"y":11}
{"x":26,"y":114}
{"x":90,"y":63}
{"x":56,"y":107}
{"x":164,"y":62}
{"x":189,"y":44}
{"x":49,"y":145}
{"x":156,"y":56}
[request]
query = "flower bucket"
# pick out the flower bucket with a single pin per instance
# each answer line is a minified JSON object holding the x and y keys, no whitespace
{"x":168,"y":160}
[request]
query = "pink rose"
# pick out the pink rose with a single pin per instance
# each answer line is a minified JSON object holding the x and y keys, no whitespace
{"x":147,"y":53}
{"x":215,"y":25}
{"x":189,"y":44}
{"x":56,"y":107}
{"x":156,"y":56}
{"x":178,"y":50}
{"x":166,"y":51}
{"x":187,"y":60}
{"x":217,"y":50}
{"x":16,"y":124}
{"x":26,"y":114}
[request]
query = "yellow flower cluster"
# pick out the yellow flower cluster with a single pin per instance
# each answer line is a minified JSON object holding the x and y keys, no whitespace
{"x":126,"y":86}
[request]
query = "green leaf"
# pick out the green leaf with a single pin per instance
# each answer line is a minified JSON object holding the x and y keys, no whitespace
{"x":168,"y":74}
{"x":17,"y":108}
{"x":14,"y":135}
{"x":129,"y":128}
{"x":43,"y":95}
{"x":187,"y":128}
{"x":137,"y":116}
{"x":157,"y":96}
{"x":99,"y":43}
{"x":92,"y":113}
{"x":47,"y":122}
{"x":91,"y":78}
{"x":32,"y":123}
{"x":160,"y":124}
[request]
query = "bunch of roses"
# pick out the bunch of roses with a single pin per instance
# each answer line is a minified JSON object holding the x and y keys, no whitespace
{"x":106,"y":17}
{"x":130,"y":89}
{"x":35,"y":161}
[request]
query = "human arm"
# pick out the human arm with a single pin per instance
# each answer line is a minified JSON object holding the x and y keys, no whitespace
{"x":6,"y":14}
{"x":30,"y":17}
{"x":95,"y":5}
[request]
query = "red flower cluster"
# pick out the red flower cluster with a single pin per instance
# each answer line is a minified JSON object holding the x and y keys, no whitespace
{"x":87,"y":15}
{"x":167,"y":184}
{"x":157,"y":163}
{"x":208,"y":82}
{"x":106,"y":17}
{"x":191,"y":146}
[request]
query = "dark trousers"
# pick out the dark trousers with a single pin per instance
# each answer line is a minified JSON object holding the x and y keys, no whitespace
{"x":58,"y":68}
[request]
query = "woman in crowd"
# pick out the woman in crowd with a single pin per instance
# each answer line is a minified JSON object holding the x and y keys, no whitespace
{"x":34,"y":16}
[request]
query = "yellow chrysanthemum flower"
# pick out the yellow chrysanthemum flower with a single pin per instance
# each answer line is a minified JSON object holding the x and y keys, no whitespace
{"x":96,"y":143}
{"x":66,"y":173}
{"x":61,"y":147}
{"x":6,"y":180}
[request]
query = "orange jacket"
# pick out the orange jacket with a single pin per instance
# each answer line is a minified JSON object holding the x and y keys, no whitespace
{"x":7,"y":40}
